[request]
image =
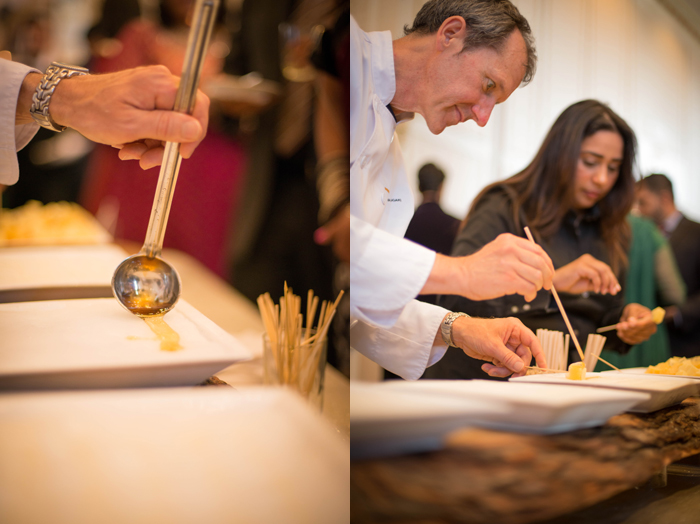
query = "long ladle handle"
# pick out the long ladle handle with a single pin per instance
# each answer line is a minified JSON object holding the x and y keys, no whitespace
{"x":197,"y":41}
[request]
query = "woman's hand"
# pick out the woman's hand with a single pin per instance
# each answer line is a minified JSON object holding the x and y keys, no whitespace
{"x":586,"y":273}
{"x":636,"y":324}
{"x":505,"y":343}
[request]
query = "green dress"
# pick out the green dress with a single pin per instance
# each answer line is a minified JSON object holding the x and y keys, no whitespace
{"x":651,"y":267}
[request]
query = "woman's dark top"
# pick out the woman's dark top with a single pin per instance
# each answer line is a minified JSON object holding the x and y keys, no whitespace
{"x":579,"y":234}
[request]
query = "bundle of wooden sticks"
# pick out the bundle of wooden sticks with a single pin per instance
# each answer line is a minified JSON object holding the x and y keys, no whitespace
{"x":296,"y":348}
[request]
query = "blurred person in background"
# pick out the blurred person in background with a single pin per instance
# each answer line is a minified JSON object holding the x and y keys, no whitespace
{"x":331,"y":130}
{"x":653,"y":279}
{"x":280,"y":210}
{"x":208,"y":185}
{"x":115,"y":14}
{"x":655,"y":200}
{"x":430,"y":226}
{"x":574,"y":196}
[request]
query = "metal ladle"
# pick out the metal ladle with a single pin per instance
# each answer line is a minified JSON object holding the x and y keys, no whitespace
{"x":144,"y":283}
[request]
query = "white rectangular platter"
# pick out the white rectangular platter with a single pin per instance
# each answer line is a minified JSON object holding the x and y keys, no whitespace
{"x":643,"y":371}
{"x":95,"y":343}
{"x":176,"y":456}
{"x":663,"y":391}
{"x":48,"y":272}
{"x":399,"y":415}
{"x":386,"y":421}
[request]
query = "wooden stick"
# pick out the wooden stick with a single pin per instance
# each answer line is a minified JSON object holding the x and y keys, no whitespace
{"x":608,"y":363}
{"x":561,"y":308}
{"x":537,"y":370}
{"x":606,"y":328}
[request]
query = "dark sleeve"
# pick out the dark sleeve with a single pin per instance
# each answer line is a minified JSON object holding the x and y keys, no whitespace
{"x":686,"y":246}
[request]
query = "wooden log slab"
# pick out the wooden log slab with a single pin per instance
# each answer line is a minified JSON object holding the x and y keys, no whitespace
{"x":493,"y":477}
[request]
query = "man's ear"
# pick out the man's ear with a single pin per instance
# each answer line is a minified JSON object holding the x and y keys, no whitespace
{"x":451,"y":33}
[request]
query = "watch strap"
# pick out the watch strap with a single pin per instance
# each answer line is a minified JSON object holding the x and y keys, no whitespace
{"x":42,"y":96}
{"x":446,"y":327}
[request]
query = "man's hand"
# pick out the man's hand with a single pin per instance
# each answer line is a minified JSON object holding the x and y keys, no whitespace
{"x":506,"y":266}
{"x":636,"y":324}
{"x":586,"y":273}
{"x":131,"y":110}
{"x":505,"y":343}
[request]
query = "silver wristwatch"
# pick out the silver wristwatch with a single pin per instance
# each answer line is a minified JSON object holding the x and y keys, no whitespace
{"x":446,"y":326}
{"x":42,"y":96}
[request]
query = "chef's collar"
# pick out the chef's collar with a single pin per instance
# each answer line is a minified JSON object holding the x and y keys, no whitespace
{"x":403,"y":116}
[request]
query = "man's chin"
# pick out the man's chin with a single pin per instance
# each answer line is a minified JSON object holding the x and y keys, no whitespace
{"x":437,"y":128}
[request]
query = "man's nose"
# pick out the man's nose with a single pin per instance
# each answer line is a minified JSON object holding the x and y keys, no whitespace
{"x":482,"y":112}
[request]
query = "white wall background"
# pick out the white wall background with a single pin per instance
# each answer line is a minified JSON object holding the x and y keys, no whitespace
{"x":631,"y":54}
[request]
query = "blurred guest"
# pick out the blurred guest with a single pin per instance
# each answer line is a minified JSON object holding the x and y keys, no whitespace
{"x":655,"y":200}
{"x":331,"y":138}
{"x":574,"y":196}
{"x":208,"y":185}
{"x":274,"y":242}
{"x":653,"y":279}
{"x":114,"y":16}
{"x":431,"y":226}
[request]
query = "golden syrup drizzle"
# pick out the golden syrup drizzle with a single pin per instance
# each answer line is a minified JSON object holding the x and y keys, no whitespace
{"x":169,"y":339}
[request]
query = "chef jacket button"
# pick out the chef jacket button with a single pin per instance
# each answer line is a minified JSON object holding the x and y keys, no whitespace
{"x":526,"y":307}
{"x":514,"y":309}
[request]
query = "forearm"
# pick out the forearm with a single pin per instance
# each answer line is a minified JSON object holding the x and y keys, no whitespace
{"x":446,"y":277}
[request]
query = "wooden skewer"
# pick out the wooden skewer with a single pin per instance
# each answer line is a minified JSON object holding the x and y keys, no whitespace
{"x":561,"y":308}
{"x":606,"y":328}
{"x":608,"y":363}
{"x":566,"y":319}
{"x":538,"y":370}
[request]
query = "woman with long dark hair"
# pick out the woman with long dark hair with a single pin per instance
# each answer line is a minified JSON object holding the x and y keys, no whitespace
{"x":574,"y":196}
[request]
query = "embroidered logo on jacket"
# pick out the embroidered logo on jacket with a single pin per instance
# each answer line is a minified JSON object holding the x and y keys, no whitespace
{"x":385,"y":199}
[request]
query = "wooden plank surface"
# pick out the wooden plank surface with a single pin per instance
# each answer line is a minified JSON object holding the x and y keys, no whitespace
{"x":493,"y":477}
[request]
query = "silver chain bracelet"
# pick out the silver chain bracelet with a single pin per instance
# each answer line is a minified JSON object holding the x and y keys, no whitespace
{"x":42,"y":96}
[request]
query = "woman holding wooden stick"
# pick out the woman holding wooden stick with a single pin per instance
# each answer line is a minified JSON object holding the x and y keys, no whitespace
{"x":574,"y":196}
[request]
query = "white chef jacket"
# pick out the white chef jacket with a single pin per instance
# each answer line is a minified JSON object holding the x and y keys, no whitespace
{"x":12,"y":137}
{"x":386,"y":271}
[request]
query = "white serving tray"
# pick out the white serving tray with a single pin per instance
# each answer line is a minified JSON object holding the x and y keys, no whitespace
{"x":176,"y":456}
{"x":663,"y":391}
{"x":642,"y":371}
{"x":386,"y":421}
{"x":49,"y":272}
{"x":400,"y":416}
{"x":95,"y":343}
